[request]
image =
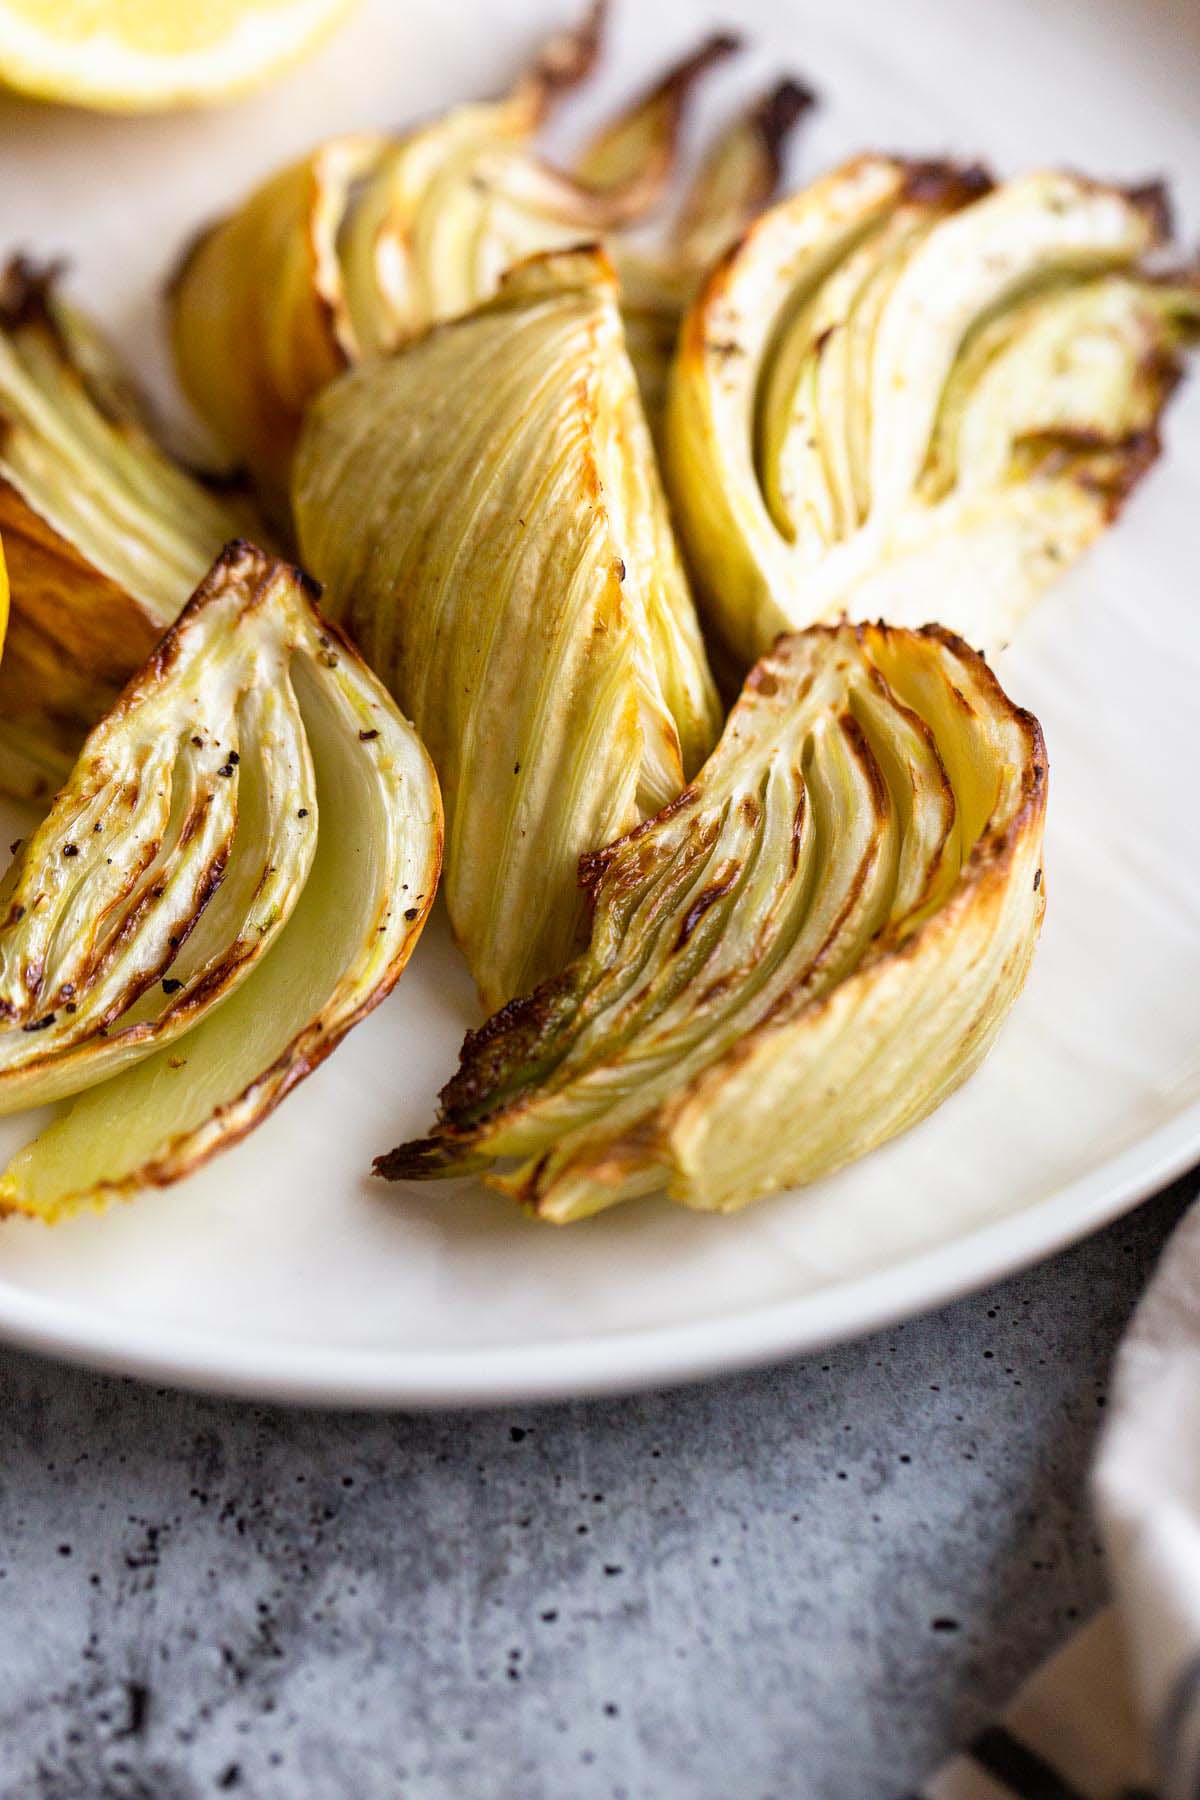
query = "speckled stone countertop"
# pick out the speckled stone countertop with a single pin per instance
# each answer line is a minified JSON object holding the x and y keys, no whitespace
{"x":811,"y":1581}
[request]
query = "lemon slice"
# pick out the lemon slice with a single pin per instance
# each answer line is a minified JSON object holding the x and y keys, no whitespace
{"x":144,"y":55}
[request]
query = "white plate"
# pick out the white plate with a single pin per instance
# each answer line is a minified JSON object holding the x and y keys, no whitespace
{"x":282,"y":1271}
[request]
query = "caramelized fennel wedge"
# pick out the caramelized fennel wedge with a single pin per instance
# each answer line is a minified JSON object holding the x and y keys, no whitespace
{"x":180,"y":843}
{"x":234,"y":875}
{"x":360,"y":247}
{"x":799,"y":957}
{"x":106,"y":533}
{"x":485,"y":512}
{"x":911,"y":394}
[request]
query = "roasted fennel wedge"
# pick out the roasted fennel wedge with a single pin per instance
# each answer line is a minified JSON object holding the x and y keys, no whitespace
{"x":106,"y":534}
{"x":484,"y":510}
{"x":370,"y":239}
{"x":235,"y":873}
{"x":909,"y":394}
{"x":799,"y":957}
{"x":3,"y":597}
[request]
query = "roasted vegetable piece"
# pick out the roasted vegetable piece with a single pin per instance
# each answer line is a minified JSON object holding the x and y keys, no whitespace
{"x":3,"y":596}
{"x":485,"y":511}
{"x":912,"y":395}
{"x":106,"y":535}
{"x":735,"y":181}
{"x":801,"y":956}
{"x":234,"y":875}
{"x":370,"y":239}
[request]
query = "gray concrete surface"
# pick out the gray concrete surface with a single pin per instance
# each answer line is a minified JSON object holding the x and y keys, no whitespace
{"x":807,"y":1582}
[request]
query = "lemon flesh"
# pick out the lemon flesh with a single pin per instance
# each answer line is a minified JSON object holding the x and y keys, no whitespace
{"x":143,"y":55}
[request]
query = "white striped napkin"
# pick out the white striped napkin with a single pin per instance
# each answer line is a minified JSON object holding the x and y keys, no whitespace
{"x":1115,"y":1715}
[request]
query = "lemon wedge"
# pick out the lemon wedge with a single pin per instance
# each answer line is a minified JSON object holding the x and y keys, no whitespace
{"x":146,"y":55}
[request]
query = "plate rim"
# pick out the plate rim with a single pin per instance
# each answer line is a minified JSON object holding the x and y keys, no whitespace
{"x":616,"y":1363}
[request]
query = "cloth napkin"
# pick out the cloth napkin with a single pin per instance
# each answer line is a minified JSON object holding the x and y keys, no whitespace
{"x":1115,"y":1715}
